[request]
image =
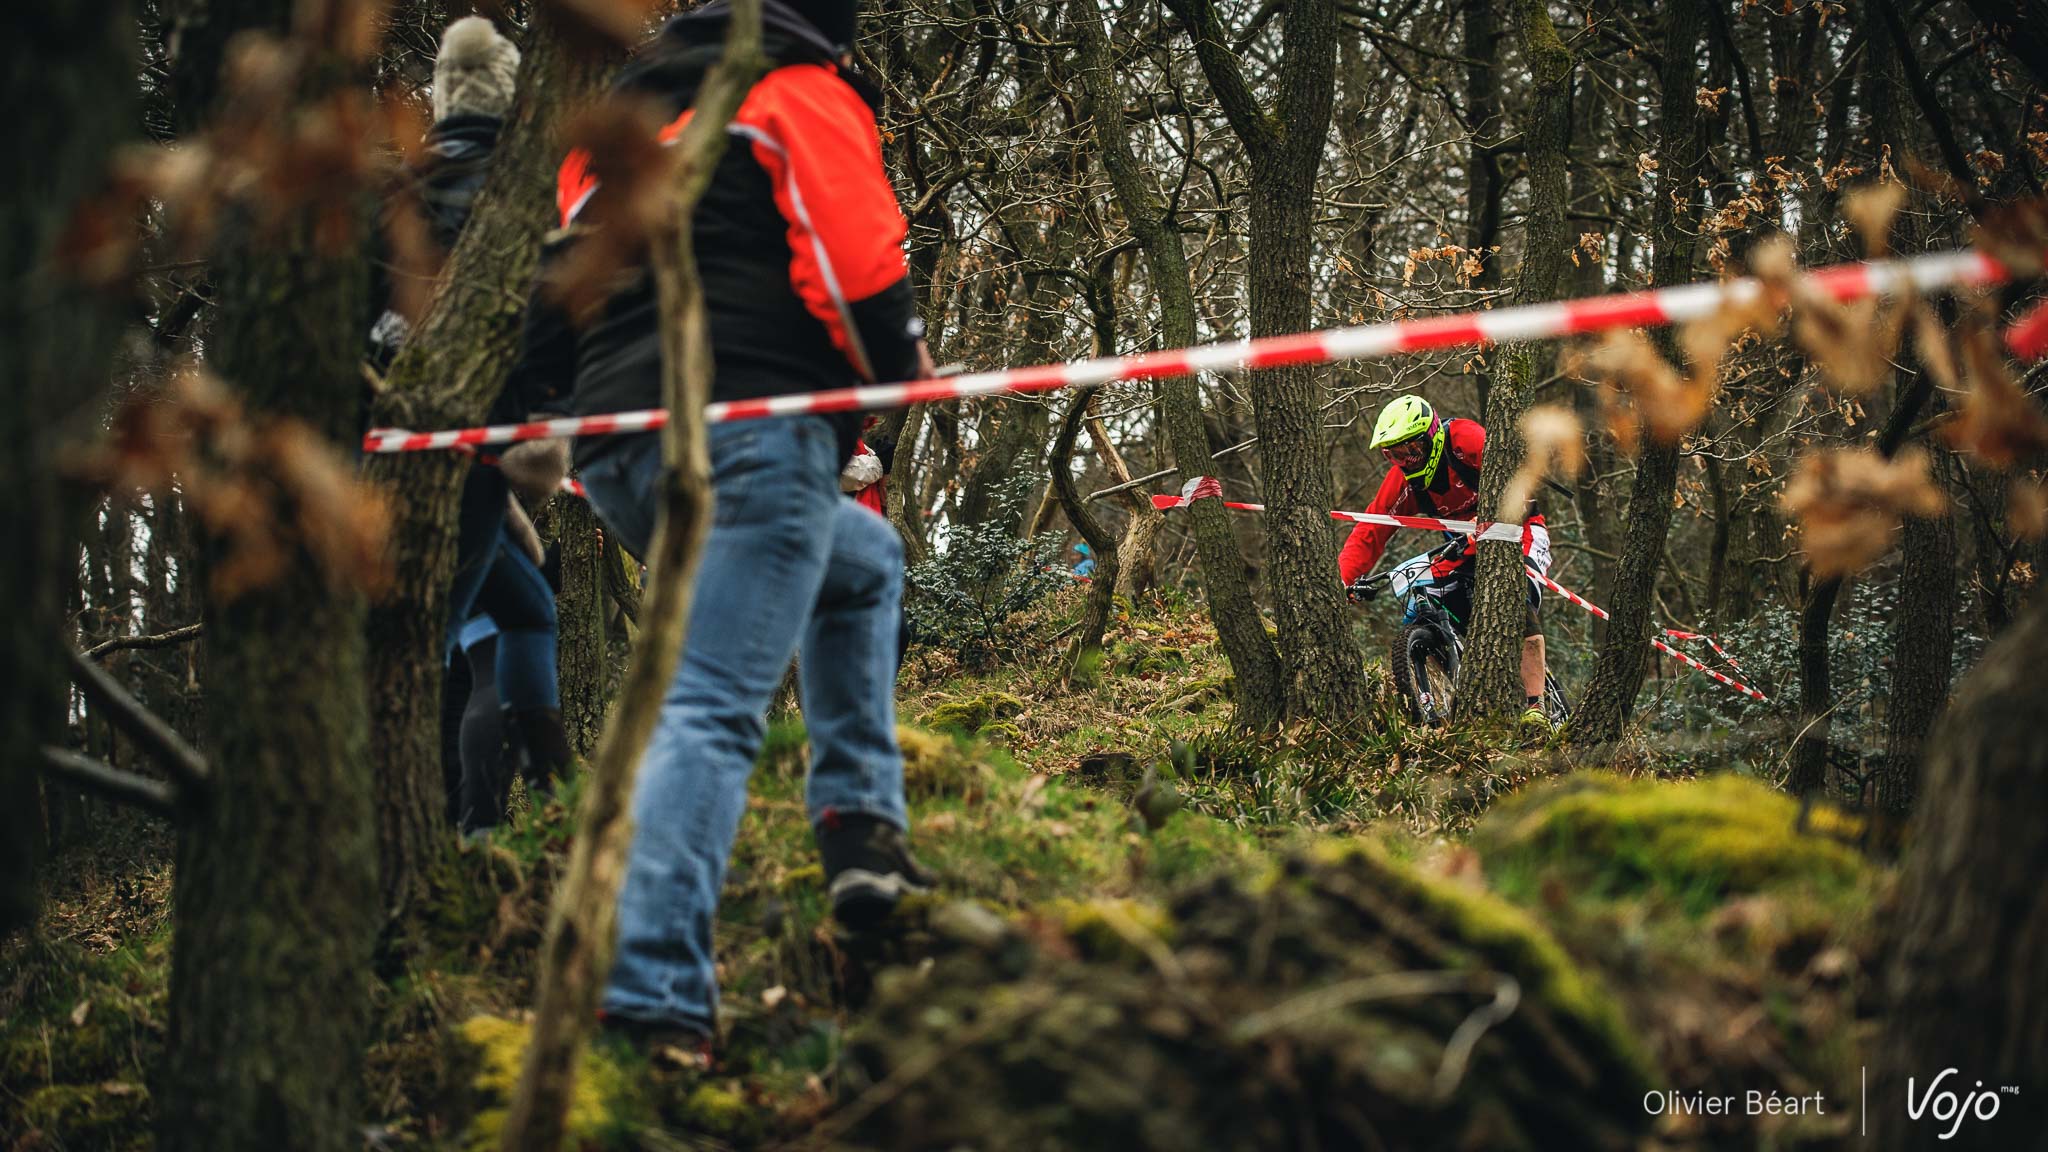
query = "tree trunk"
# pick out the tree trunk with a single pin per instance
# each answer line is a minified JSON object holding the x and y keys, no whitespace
{"x":1624,"y":650}
{"x":449,"y":373}
{"x":1137,"y":551}
{"x":1490,"y":681}
{"x":1261,"y":700}
{"x":1101,"y":589}
{"x":1923,"y":646}
{"x":73,"y":65}
{"x":579,"y":609}
{"x":905,"y":511}
{"x":1484,"y":187}
{"x":1966,"y":948}
{"x":275,"y":895}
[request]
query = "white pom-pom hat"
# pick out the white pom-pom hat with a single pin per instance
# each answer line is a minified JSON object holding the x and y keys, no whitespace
{"x":476,"y":71}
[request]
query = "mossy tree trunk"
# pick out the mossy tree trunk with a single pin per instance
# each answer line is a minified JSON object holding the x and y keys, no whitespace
{"x":1261,"y":700}
{"x":275,"y":904}
{"x":1490,"y":681}
{"x":1485,"y":188}
{"x":1323,"y":671}
{"x":73,"y":64}
{"x":1624,"y":651}
{"x":448,"y":375}
{"x":1102,"y":588}
{"x":1923,"y":647}
{"x":579,"y":611}
{"x":1966,"y":949}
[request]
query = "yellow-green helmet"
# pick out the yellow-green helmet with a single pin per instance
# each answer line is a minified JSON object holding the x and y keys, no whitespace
{"x":1406,"y":419}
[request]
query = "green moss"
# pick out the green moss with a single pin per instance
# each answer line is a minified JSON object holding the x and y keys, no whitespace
{"x":1697,"y":840}
{"x":110,"y":1115}
{"x":971,"y":714}
{"x":720,"y":1108}
{"x":1506,"y":937}
{"x":937,"y":764}
{"x":1002,"y":732}
{"x":1112,"y":927}
{"x":603,"y":1111}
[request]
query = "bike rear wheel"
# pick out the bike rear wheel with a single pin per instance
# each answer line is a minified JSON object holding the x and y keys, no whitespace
{"x":1555,"y":703}
{"x":1425,"y":668}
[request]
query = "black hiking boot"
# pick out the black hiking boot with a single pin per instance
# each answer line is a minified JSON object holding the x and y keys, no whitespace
{"x":868,"y":867}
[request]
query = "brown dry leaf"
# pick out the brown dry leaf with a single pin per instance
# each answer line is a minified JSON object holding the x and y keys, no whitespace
{"x":352,"y":27}
{"x":632,"y":169}
{"x":1848,"y":501}
{"x":1669,"y":404}
{"x":1552,"y":438}
{"x":1930,"y":340}
{"x":1871,"y":208}
{"x":2016,"y":235}
{"x":2026,"y":508}
{"x":1852,"y":344}
{"x":1998,"y":423}
{"x":340,"y":520}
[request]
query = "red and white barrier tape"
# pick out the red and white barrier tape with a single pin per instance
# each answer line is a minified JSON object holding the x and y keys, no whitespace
{"x":1659,"y":645}
{"x":1652,"y":308}
{"x":1491,"y":531}
{"x":569,"y":484}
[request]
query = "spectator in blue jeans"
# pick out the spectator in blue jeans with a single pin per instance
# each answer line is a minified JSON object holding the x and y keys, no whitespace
{"x":799,"y":244}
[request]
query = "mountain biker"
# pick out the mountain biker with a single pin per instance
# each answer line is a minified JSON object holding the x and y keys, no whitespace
{"x":1435,"y":472}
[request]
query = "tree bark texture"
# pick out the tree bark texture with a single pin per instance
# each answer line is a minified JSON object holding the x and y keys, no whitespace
{"x":449,"y":373}
{"x":275,"y":895}
{"x":1809,"y":754}
{"x":1969,"y":941}
{"x":583,"y":918}
{"x":73,"y":65}
{"x":1624,"y":650}
{"x":1260,"y":701}
{"x":1324,"y":674}
{"x":1484,"y":187}
{"x":1490,"y":680}
{"x":580,"y":646}
{"x":1102,"y":588}
{"x":1923,"y":647}
{"x":1137,"y":552}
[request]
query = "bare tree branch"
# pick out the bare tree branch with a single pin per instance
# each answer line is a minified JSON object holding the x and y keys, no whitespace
{"x":160,"y":640}
{"x":110,"y":782}
{"x":146,"y":728}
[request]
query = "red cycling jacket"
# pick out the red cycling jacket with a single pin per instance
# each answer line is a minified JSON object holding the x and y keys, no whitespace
{"x":798,"y":238}
{"x":1453,"y":496}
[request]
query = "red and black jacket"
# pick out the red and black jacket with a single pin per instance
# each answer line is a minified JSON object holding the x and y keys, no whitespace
{"x":799,"y":240}
{"x":1453,"y":494}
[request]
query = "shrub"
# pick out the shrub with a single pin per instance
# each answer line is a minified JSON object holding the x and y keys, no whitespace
{"x":980,"y":576}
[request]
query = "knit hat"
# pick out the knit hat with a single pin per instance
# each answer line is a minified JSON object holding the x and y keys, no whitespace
{"x":476,"y":71}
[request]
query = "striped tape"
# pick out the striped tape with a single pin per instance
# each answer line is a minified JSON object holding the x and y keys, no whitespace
{"x":1652,"y":308}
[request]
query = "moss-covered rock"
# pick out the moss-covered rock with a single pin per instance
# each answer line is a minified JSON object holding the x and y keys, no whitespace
{"x":970,"y":714}
{"x":1285,"y":1015}
{"x":1697,"y":839}
{"x":937,"y":764}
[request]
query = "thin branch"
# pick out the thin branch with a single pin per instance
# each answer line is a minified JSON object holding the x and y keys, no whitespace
{"x":146,"y":728}
{"x":160,"y":640}
{"x":110,"y":782}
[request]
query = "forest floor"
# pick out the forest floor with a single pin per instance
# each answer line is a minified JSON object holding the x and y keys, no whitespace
{"x":1385,"y":937}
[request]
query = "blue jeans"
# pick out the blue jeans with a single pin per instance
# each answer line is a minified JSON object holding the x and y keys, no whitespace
{"x":790,"y":564}
{"x":507,"y":586}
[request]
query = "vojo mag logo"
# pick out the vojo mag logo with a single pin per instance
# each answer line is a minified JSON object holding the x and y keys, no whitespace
{"x":1945,"y":1100}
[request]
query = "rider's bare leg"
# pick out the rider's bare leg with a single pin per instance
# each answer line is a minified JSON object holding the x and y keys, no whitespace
{"x":1532,"y":665}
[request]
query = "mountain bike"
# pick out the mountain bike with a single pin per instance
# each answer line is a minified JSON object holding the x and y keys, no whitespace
{"x":1425,"y":654}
